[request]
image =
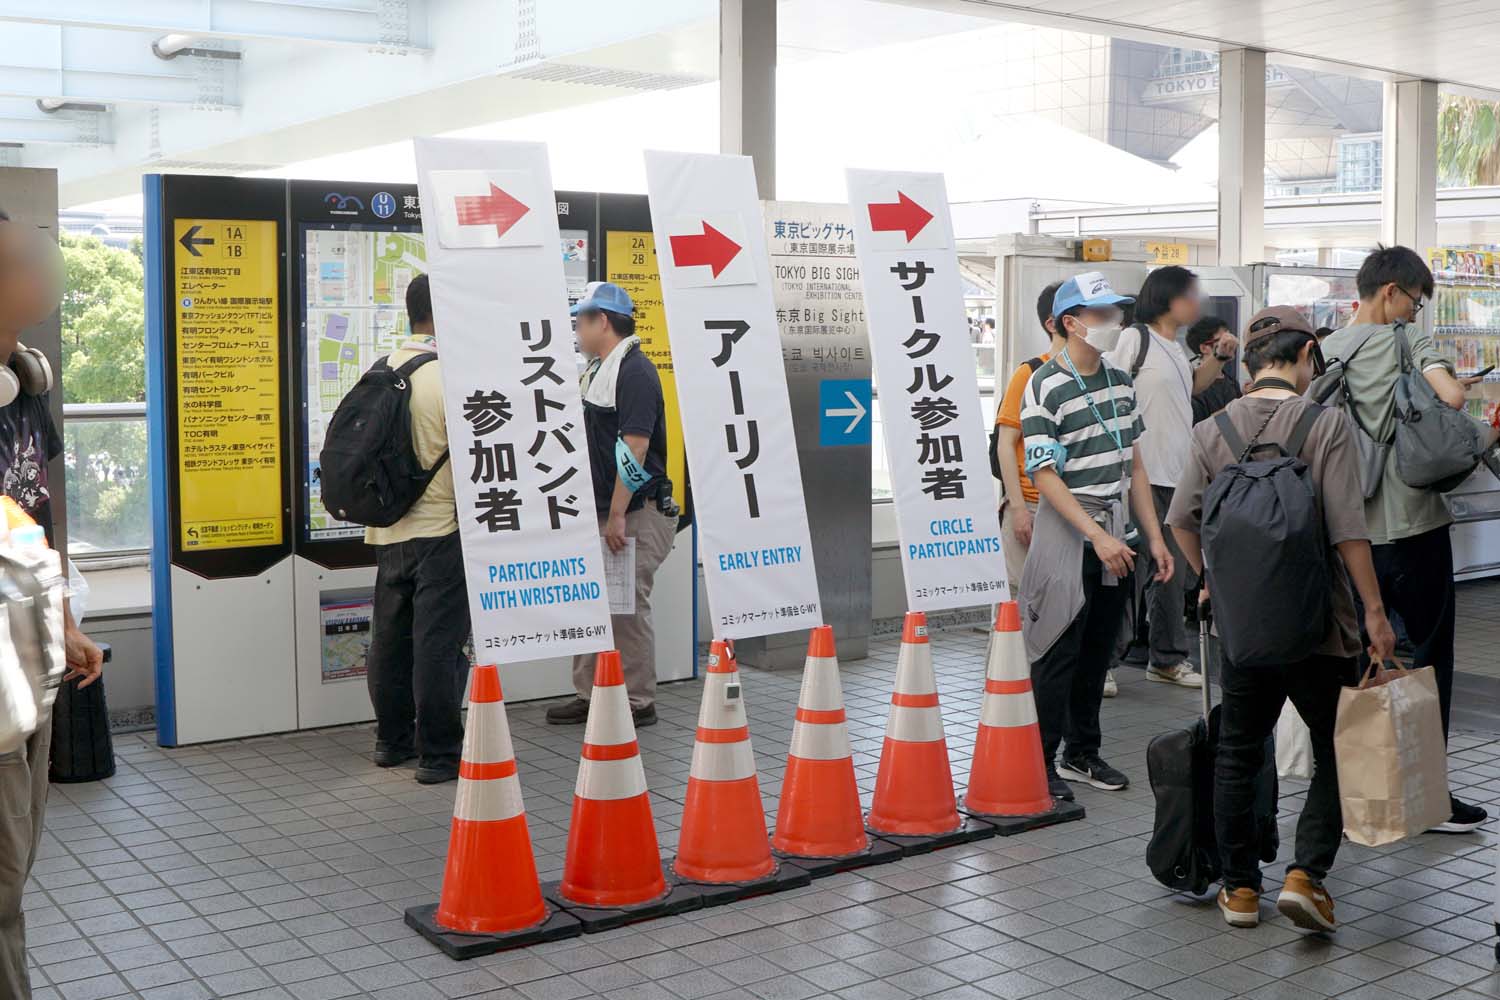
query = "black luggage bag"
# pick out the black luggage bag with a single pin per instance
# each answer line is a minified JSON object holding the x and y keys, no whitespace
{"x":1183,"y":852}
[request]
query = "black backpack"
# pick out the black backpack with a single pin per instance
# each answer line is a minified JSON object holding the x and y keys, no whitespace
{"x":1265,"y":552}
{"x":995,"y":467}
{"x":369,"y":469}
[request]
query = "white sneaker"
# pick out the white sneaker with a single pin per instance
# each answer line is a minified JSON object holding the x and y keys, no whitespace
{"x":1180,"y":674}
{"x":1110,"y":687}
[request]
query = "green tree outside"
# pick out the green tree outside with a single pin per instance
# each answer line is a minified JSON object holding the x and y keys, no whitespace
{"x":1468,"y":142}
{"x":104,"y":361}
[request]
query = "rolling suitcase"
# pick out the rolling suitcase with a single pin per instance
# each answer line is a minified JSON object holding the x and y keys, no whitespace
{"x":1183,"y":851}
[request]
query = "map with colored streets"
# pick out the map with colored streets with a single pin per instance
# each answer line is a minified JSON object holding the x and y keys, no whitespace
{"x":356,"y":295}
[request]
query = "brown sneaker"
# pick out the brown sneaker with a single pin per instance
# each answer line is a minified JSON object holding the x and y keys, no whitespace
{"x":1305,"y":902}
{"x":1241,"y":907}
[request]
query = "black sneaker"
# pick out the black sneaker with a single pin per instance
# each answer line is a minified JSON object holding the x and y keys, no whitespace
{"x":643,"y":716}
{"x":389,"y":756}
{"x":1058,"y":788}
{"x":1466,"y":818}
{"x":436,"y":774}
{"x":1093,"y":771}
{"x":570,"y":714}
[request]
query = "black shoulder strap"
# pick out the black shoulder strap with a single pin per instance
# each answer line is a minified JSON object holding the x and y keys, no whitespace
{"x":417,"y":362}
{"x":1231,"y":436}
{"x":1034,"y":364}
{"x":1141,"y":351}
{"x":1310,"y":414}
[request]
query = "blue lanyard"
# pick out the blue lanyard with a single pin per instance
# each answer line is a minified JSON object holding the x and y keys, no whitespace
{"x":1089,"y":398}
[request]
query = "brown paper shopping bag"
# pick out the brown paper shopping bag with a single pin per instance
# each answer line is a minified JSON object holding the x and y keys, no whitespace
{"x":1392,"y":764}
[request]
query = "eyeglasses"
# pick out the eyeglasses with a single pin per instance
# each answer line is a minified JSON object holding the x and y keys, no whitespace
{"x":1418,"y":303}
{"x":1267,"y":323}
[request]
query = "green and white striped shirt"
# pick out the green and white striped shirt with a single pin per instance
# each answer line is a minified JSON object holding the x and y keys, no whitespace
{"x":1055,"y":411}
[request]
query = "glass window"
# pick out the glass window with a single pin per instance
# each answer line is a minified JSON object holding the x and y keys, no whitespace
{"x":109,"y":493}
{"x":1323,"y":132}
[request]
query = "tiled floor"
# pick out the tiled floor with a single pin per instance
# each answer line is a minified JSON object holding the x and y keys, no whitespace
{"x":279,"y":868}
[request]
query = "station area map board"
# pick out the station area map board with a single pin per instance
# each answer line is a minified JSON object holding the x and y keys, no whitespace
{"x":354,"y":285}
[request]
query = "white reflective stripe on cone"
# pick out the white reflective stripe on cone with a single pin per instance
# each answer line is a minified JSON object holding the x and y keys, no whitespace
{"x":723,"y":761}
{"x":610,"y":779}
{"x":1007,"y":661}
{"x":1007,"y":710}
{"x":821,"y":691}
{"x":914,"y":725}
{"x":915,"y":676}
{"x":820,"y":740}
{"x":488,"y":800}
{"x":609,"y":717}
{"x":714,"y":712}
{"x":488,"y":725}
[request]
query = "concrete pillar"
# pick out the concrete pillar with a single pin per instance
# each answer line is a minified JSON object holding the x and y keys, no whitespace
{"x":1408,"y":197}
{"x":747,"y":86}
{"x":1242,"y":156}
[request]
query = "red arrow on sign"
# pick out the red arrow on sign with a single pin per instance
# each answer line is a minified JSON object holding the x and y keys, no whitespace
{"x":496,"y":209}
{"x":711,"y":247}
{"x":901,"y":215}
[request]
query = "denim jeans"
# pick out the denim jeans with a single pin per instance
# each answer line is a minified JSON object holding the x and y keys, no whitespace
{"x":1253,"y":697}
{"x":417,"y":669}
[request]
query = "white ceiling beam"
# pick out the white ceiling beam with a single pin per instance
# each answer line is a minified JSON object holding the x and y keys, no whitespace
{"x":93,"y":65}
{"x":390,"y":25}
{"x":22,"y":121}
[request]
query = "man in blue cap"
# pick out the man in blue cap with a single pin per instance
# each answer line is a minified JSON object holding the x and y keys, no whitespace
{"x":1080,"y":425}
{"x":625,"y":420}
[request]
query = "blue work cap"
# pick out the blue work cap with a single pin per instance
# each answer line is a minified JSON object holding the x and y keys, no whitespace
{"x":1091,"y":290}
{"x":605,"y":295}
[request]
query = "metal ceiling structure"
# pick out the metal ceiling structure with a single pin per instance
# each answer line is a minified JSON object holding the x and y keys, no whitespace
{"x":103,"y":90}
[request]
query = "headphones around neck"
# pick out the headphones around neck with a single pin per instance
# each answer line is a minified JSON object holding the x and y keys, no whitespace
{"x":29,"y":371}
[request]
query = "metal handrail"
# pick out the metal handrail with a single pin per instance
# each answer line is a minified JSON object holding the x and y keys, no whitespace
{"x":104,"y":411}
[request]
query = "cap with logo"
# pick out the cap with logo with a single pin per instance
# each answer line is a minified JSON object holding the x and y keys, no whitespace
{"x":1276,"y":319}
{"x":606,"y":296}
{"x":1091,"y":290}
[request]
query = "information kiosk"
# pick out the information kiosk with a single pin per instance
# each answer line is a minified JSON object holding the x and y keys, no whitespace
{"x":266,"y":301}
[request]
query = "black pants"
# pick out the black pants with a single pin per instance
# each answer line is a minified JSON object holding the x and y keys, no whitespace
{"x":1068,"y":681}
{"x":1253,"y":697}
{"x":417,"y":668}
{"x":1416,"y":582}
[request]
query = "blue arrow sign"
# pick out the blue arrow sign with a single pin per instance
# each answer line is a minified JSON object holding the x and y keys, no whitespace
{"x":843,"y":412}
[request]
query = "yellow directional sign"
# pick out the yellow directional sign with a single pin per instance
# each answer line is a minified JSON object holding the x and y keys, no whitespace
{"x":632,"y":266}
{"x":228,"y":310}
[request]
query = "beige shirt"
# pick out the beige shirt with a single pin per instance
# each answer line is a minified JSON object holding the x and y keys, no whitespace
{"x":434,"y":514}
{"x":1333,"y":460}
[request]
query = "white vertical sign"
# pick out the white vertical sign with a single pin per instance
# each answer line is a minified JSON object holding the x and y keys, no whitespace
{"x":736,"y":416}
{"x":532,"y":556}
{"x":934,"y":428}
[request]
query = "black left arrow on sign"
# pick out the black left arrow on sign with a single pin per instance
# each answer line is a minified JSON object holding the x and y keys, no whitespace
{"x":191,"y":241}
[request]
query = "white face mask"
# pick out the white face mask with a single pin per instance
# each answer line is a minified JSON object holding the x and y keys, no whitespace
{"x":1103,"y":337}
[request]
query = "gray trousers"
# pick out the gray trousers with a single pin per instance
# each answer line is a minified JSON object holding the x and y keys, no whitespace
{"x":23,"y":804}
{"x":1160,"y":604}
{"x":635,"y":636}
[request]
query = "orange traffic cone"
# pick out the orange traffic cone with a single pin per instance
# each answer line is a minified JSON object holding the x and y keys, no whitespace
{"x":819,"y":815}
{"x":1008,"y":776}
{"x":612,"y":858}
{"x":914,"y":786}
{"x":723,"y":821}
{"x":490,"y":899}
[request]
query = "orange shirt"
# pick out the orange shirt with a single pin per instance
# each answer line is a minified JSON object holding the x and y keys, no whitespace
{"x":1008,"y":414}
